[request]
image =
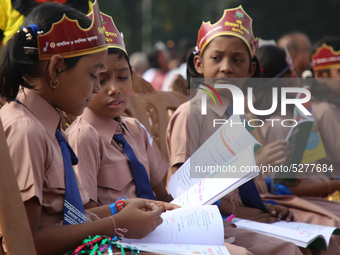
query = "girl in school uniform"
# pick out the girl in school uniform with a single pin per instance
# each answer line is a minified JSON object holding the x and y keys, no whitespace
{"x":223,"y":53}
{"x":44,"y":68}
{"x":105,"y":168}
{"x":309,"y":208}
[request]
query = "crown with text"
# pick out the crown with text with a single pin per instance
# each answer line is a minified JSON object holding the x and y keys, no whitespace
{"x":325,"y":58}
{"x":113,"y":38}
{"x":235,"y":22}
{"x":68,"y":39}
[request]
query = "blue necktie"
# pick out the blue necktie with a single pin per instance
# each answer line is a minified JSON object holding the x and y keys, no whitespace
{"x":248,"y":192}
{"x":142,"y":182}
{"x":73,"y":206}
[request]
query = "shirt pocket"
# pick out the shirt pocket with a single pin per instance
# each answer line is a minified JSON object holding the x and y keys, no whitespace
{"x":55,"y":177}
{"x":115,"y":177}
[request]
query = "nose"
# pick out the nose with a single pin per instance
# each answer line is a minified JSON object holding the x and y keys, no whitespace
{"x":226,"y":66}
{"x":114,"y":89}
{"x":96,"y":87}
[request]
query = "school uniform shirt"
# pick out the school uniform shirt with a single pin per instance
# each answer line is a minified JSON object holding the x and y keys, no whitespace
{"x":30,"y":130}
{"x":273,"y":130}
{"x":103,"y":167}
{"x":186,"y":132}
{"x":327,"y":117}
{"x":188,"y":129}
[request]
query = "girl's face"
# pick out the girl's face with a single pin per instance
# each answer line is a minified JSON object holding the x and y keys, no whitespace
{"x":332,"y":79}
{"x":226,"y":57}
{"x":78,"y":84}
{"x":116,"y":87}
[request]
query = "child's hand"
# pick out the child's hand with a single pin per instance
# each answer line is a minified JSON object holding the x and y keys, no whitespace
{"x":282,"y":212}
{"x":139,"y":218}
{"x":162,"y":205}
{"x":273,"y":154}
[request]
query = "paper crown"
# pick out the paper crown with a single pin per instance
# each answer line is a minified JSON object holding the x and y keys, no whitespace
{"x":113,"y":38}
{"x":235,"y":22}
{"x":325,"y":58}
{"x":68,"y":39}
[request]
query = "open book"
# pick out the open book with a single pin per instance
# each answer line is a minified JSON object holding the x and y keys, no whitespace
{"x":301,"y":234}
{"x":304,"y":144}
{"x":188,"y":230}
{"x":223,"y":163}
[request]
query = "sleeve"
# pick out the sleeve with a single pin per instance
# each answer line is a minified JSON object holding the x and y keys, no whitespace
{"x":86,"y":145}
{"x":28,"y":150}
{"x":158,"y":166}
{"x":179,"y":130}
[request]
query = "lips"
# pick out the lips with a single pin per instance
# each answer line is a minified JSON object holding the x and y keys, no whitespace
{"x":115,"y":104}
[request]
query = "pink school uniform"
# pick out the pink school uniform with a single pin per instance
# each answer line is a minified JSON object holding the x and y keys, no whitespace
{"x":103,"y":167}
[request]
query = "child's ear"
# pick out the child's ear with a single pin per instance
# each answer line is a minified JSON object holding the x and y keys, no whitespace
{"x":56,"y":65}
{"x":198,"y":63}
{"x":251,"y":70}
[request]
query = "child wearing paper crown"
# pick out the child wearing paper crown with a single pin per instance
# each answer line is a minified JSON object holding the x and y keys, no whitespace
{"x":105,"y":168}
{"x":45,"y":67}
{"x":227,"y":54}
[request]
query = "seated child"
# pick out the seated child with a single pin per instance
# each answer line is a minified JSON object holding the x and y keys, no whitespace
{"x":105,"y":167}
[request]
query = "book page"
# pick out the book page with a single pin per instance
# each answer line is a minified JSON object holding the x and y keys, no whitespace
{"x":188,"y":225}
{"x":300,"y":238}
{"x":166,"y":248}
{"x":325,"y":231}
{"x":208,"y":190}
{"x":222,"y":146}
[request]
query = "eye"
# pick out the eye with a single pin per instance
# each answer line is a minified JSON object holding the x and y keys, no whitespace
{"x":93,"y":76}
{"x":238,"y":60}
{"x":215,"y":58}
{"x":122,"y":77}
{"x":102,"y":82}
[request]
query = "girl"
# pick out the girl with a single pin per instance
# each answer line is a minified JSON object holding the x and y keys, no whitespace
{"x":223,"y":53}
{"x":104,"y":168}
{"x":325,"y":92}
{"x":273,"y":61}
{"x":56,"y":69}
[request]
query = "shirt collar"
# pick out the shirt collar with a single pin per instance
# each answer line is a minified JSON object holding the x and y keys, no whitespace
{"x":41,"y":109}
{"x":218,"y":108}
{"x":105,"y":126}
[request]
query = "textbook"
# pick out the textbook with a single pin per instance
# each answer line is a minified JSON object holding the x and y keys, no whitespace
{"x":314,"y":149}
{"x":304,"y":144}
{"x":302,"y":234}
{"x":223,"y":163}
{"x":188,"y":230}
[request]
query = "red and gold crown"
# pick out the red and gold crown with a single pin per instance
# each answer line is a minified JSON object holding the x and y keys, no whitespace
{"x":235,"y":22}
{"x":325,"y":58}
{"x":68,"y":39}
{"x":113,"y":38}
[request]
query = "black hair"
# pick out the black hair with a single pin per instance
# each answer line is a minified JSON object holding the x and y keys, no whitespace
{"x":18,"y":63}
{"x":120,"y":53}
{"x":152,"y":57}
{"x":322,"y":92}
{"x":192,"y":73}
{"x":272,"y":61}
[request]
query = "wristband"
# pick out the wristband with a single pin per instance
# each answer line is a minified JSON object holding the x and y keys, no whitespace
{"x":217,"y":203}
{"x":113,"y":208}
{"x":119,"y":204}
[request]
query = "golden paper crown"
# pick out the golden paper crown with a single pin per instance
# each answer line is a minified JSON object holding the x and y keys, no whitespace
{"x":235,"y":22}
{"x":68,"y":39}
{"x":113,"y":38}
{"x":325,"y":58}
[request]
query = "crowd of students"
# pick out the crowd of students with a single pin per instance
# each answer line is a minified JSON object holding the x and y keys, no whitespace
{"x":117,"y":177}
